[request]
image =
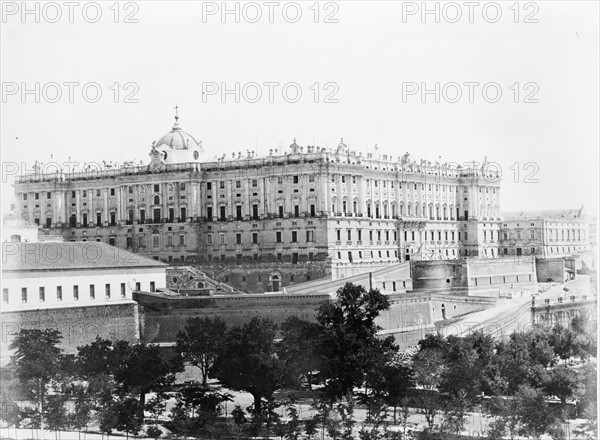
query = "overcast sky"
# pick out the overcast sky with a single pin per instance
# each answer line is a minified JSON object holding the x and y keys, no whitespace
{"x":368,"y":61}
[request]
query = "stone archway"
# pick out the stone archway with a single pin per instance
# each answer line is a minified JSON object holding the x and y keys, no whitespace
{"x":275,"y":281}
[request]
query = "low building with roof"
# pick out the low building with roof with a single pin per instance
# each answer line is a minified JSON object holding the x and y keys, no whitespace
{"x":545,"y":234}
{"x":83,"y":289}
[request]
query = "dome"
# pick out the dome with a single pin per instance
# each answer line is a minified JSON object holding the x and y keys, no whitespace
{"x":177,"y":139}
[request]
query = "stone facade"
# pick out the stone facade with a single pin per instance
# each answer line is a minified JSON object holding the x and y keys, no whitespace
{"x":545,"y":234}
{"x":331,"y":212}
{"x":78,"y":325}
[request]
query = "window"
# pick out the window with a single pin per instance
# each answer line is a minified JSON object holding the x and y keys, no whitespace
{"x":278,"y":256}
{"x":278,"y":237}
{"x":309,"y":236}
{"x":123,"y":291}
{"x":42,"y":294}
{"x":59,"y":293}
{"x":183,"y":215}
{"x":254,"y":183}
{"x":112,"y":191}
{"x":209,"y":239}
{"x":156,"y":188}
{"x":295,"y":179}
{"x":92,"y":291}
{"x":182,"y":240}
{"x":294,"y":236}
{"x":24,"y":196}
{"x":155,"y":241}
{"x":255,"y":212}
{"x":312,"y":210}
{"x":107,"y":290}
{"x":152,"y":286}
{"x":296,"y":211}
{"x":5,"y":296}
{"x":113,"y":218}
{"x":338,"y":235}
{"x":255,"y":237}
{"x":138,"y":286}
{"x":209,"y":213}
{"x":238,"y":238}
{"x":76,"y":293}
{"x":532,"y":234}
{"x":24,"y":294}
{"x":222,"y":215}
{"x":222,"y":184}
{"x":349,"y":234}
{"x":238,"y":212}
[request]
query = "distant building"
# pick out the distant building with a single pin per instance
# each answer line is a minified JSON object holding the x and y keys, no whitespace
{"x":51,"y":275}
{"x":17,"y":230}
{"x":261,"y":223}
{"x":545,"y":234}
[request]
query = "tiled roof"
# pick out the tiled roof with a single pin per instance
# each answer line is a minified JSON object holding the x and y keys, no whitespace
{"x":70,"y":255}
{"x":545,"y":214}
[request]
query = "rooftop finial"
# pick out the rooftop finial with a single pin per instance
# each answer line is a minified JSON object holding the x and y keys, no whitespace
{"x":176,"y":125}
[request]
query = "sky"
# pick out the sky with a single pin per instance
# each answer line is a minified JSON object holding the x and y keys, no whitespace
{"x":514,"y":82}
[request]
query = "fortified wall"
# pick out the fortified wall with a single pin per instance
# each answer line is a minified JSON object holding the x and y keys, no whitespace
{"x":78,"y":325}
{"x":488,"y":277}
{"x":163,"y":317}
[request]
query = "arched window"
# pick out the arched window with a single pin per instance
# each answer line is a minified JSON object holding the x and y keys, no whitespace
{"x":156,"y":200}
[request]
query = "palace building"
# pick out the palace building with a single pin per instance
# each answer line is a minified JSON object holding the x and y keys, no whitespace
{"x":546,"y":234}
{"x":262,"y":223}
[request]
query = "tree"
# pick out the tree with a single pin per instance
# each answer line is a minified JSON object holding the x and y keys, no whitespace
{"x":322,"y":418}
{"x":428,"y":366}
{"x":348,"y":338}
{"x":292,"y":427}
{"x":534,"y":414}
{"x":153,"y":431}
{"x":298,"y":348}
{"x":156,"y":406}
{"x":310,"y":428}
{"x":81,"y":415}
{"x":562,"y":383}
{"x":140,"y":369}
{"x":507,"y":417}
{"x":201,"y":342}
{"x":239,"y":418}
{"x":37,"y":360}
{"x":95,"y":364}
{"x":127,"y":419}
{"x":248,"y":361}
{"x":561,"y":340}
{"x":55,"y":413}
{"x":392,"y":383}
{"x":523,"y":360}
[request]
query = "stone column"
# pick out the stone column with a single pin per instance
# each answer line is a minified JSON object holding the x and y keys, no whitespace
{"x":105,"y":214}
